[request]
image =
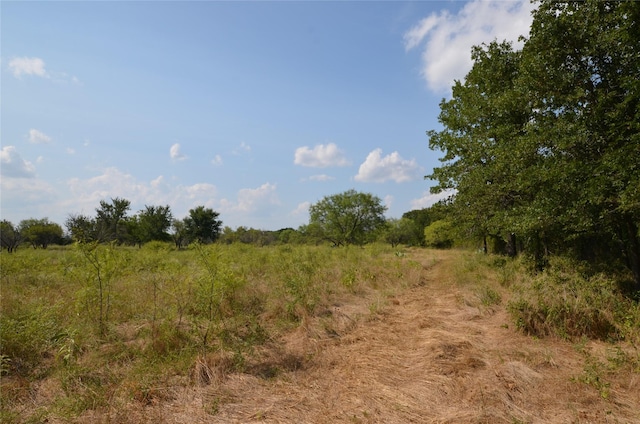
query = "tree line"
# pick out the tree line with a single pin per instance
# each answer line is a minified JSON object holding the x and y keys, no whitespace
{"x":542,"y":145}
{"x":348,"y":218}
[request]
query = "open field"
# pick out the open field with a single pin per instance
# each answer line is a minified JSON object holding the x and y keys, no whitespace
{"x":307,"y":334}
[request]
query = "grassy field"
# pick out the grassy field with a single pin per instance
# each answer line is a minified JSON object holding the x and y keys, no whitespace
{"x":110,"y":322}
{"x":94,"y":328}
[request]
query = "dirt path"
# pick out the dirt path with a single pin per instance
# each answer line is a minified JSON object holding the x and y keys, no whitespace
{"x":433,"y":354}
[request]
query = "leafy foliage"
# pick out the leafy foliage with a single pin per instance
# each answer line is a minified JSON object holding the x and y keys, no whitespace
{"x":347,"y":218}
{"x":40,"y":232}
{"x":10,"y":237}
{"x":402,"y":231}
{"x":110,"y":220}
{"x":203,"y":224}
{"x":440,"y":234}
{"x":541,"y":144}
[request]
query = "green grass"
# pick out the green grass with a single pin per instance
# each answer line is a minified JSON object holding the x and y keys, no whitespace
{"x":108,"y":321}
{"x":565,"y":302}
{"x":116,"y":324}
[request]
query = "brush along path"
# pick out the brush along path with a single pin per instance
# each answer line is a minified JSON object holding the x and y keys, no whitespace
{"x":432,"y":354}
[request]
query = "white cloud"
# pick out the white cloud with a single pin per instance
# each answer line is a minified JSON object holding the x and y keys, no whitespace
{"x":27,"y":191}
{"x":38,"y":137}
{"x":28,"y":66}
{"x":71,"y":151}
{"x":301,"y":209}
{"x":321,"y":177}
{"x":415,"y":35}
{"x":13,"y":166}
{"x":250,"y":198}
{"x":217,"y":160}
{"x":157,"y":182}
{"x":243,"y":148}
{"x":388,"y":201}
{"x":429,"y":199}
{"x":175,"y":153}
{"x":87,"y":193}
{"x":199,"y":191}
{"x":389,"y":168}
{"x":446,"y":53}
{"x":321,"y":156}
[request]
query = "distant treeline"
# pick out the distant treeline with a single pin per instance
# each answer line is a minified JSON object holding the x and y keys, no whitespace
{"x":346,"y":218}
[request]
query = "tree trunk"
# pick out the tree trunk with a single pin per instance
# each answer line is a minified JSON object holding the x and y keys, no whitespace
{"x":512,"y":249}
{"x":633,"y":250}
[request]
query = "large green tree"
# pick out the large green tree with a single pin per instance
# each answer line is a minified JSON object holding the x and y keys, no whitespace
{"x":348,"y":218}
{"x":403,"y":231}
{"x":111,"y":220}
{"x":82,"y":228}
{"x":154,"y":223}
{"x":203,"y":224}
{"x":484,"y":140}
{"x":543,"y":143}
{"x":10,"y":237}
{"x":581,"y":71}
{"x":40,"y":232}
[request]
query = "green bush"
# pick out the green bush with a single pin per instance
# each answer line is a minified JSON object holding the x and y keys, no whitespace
{"x":440,"y":234}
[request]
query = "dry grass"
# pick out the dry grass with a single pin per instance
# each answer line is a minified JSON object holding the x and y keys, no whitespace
{"x":432,"y":350}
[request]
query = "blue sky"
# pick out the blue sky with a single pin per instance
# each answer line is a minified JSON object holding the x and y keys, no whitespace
{"x":254,"y":109}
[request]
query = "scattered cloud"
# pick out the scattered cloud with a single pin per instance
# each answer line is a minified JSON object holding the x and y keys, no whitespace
{"x":35,"y":66}
{"x":28,"y":66}
{"x":428,"y":199}
{"x":157,"y":182}
{"x":256,"y":205}
{"x":250,"y":199}
{"x":175,"y":153}
{"x":447,"y":38}
{"x":243,"y":148}
{"x":71,"y":151}
{"x":13,"y":166}
{"x":392,"y":167}
{"x":321,"y":156}
{"x":22,"y":191}
{"x":38,"y":137}
{"x":200,"y":191}
{"x":388,"y":201}
{"x":217,"y":160}
{"x":301,"y":209}
{"x":27,"y":193}
{"x":321,"y":177}
{"x":112,"y":182}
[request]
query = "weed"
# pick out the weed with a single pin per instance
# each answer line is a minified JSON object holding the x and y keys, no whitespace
{"x":349,"y":278}
{"x":489,"y":296}
{"x":565,"y":303}
{"x":592,"y":376}
{"x":107,"y":322}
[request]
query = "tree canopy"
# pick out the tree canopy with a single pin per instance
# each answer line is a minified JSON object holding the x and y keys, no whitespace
{"x":543,"y":143}
{"x":203,"y":224}
{"x":347,"y":218}
{"x":40,"y":232}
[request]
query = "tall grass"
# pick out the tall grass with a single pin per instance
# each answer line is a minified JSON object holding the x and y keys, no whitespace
{"x":108,"y":321}
{"x":569,"y":303}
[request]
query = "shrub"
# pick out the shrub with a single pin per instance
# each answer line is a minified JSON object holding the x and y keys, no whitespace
{"x":440,"y":234}
{"x":563,"y":302}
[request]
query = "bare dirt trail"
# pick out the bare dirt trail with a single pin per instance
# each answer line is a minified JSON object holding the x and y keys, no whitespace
{"x":433,"y":354}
